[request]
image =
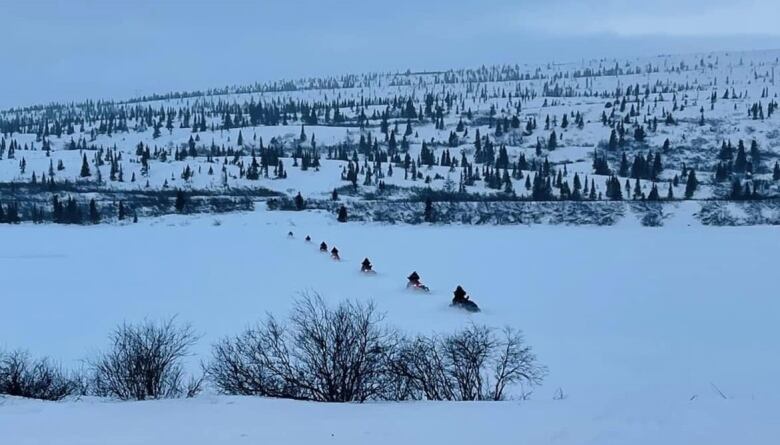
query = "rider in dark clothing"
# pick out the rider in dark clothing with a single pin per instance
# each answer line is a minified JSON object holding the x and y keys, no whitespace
{"x":308,"y":238}
{"x":323,"y":247}
{"x":334,"y":253}
{"x":366,"y":266}
{"x":460,"y":296}
{"x":463,"y":301}
{"x":414,"y":279}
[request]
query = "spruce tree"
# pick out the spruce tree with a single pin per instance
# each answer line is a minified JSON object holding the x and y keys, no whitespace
{"x":94,"y":215}
{"x":691,"y":184}
{"x":181,"y":201}
{"x":300,"y":204}
{"x":653,"y":195}
{"x":85,"y":167}
{"x":613,"y":141}
{"x":755,"y":156}
{"x":428,"y":216}
{"x":552,"y":143}
{"x":342,"y":216}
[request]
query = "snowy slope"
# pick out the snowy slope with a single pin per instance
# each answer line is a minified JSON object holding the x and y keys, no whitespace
{"x":681,"y":85}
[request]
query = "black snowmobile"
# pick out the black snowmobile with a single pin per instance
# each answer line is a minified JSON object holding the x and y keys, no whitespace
{"x":462,"y":301}
{"x":323,"y":247}
{"x":334,"y":254}
{"x":415,"y":284}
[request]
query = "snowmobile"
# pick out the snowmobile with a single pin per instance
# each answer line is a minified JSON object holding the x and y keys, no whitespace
{"x":462,"y":301}
{"x":290,"y":235}
{"x":334,"y":254}
{"x":323,"y":247}
{"x":418,"y":287}
{"x":366,"y":267}
{"x":307,"y":239}
{"x":415,"y":284}
{"x":467,"y":305}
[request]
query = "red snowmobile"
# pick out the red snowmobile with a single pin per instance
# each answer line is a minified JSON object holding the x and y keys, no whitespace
{"x":415,"y":284}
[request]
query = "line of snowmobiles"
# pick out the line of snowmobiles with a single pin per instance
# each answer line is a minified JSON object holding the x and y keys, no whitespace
{"x":460,"y":300}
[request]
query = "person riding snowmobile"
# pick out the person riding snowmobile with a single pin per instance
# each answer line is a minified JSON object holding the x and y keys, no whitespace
{"x":462,"y":300}
{"x":334,"y":253}
{"x":366,"y":266}
{"x":289,"y":235}
{"x":308,"y":239}
{"x":414,"y":282}
{"x":323,"y":247}
{"x":460,"y":296}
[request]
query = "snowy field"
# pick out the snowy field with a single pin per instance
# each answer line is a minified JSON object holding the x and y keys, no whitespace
{"x":641,"y":329}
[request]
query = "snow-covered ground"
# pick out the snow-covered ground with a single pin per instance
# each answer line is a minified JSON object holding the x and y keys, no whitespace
{"x":641,"y":328}
{"x":236,"y":421}
{"x":664,"y":335}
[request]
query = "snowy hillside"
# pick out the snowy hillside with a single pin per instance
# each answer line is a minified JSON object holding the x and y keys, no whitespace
{"x":659,"y":130}
{"x":532,"y":187}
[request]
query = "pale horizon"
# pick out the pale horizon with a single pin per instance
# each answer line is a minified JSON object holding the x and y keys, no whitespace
{"x":86,"y":49}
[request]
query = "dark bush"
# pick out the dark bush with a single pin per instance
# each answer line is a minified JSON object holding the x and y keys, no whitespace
{"x":22,"y":376}
{"x":345,"y":354}
{"x":144,"y":361}
{"x":472,"y":364}
{"x":322,"y":354}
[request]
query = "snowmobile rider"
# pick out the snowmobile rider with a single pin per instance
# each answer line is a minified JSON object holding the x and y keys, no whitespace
{"x":323,"y":247}
{"x":414,"y":280}
{"x":366,"y":266}
{"x":308,"y":239}
{"x":460,"y":296}
{"x":334,"y":253}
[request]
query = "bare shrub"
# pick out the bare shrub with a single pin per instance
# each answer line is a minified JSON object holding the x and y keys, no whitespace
{"x":472,"y":364}
{"x":345,"y":354}
{"x":144,"y":361}
{"x":328,"y":354}
{"x":419,"y":367}
{"x":22,"y":376}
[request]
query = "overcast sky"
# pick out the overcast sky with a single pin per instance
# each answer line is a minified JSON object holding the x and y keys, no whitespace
{"x":76,"y":49}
